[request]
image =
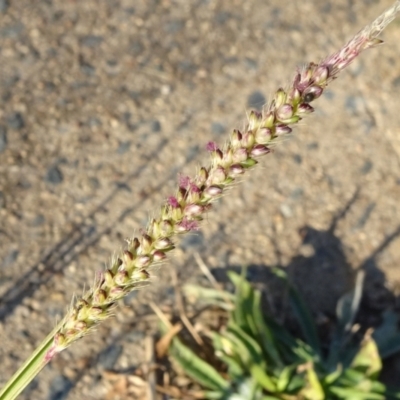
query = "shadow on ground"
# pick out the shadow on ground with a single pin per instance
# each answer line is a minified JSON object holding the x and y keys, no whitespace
{"x":322,"y":276}
{"x":78,"y":240}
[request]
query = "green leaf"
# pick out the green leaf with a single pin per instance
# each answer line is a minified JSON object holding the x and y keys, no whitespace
{"x":211,"y":395}
{"x":351,"y":377}
{"x":367,"y":359}
{"x":262,"y":378}
{"x":235,"y":368}
{"x":284,"y":377}
{"x":302,"y":315}
{"x":219,"y":298}
{"x":346,"y":309}
{"x":296,"y":383}
{"x":358,"y":380}
{"x":264,"y":334}
{"x":378,"y":387}
{"x":304,"y":351}
{"x":243,"y":301}
{"x":305,"y":320}
{"x":241,"y":352}
{"x":284,"y":340}
{"x":224,"y":350}
{"x":249,"y":317}
{"x":354,"y":394}
{"x":246,"y":389}
{"x":333,"y":376}
{"x":313,"y":389}
{"x":196,"y":368}
{"x":251,"y":354}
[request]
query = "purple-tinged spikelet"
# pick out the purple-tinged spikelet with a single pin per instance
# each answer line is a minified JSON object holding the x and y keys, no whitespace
{"x":182,"y":212}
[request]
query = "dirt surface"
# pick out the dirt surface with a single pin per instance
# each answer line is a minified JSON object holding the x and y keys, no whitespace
{"x":104,"y":102}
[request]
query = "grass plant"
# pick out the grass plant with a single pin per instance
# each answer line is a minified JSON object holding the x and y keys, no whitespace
{"x":261,"y":360}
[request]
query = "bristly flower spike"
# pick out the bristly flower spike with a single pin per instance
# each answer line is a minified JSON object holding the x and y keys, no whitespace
{"x":184,"y":211}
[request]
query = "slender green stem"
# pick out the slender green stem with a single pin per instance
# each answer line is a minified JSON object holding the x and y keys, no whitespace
{"x":21,"y":379}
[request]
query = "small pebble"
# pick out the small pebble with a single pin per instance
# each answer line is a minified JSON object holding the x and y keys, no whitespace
{"x":3,"y":138}
{"x":54,"y":175}
{"x":396,"y":81}
{"x":4,"y":4}
{"x":12,"y":31}
{"x":367,"y":167}
{"x":297,"y":158}
{"x":15,"y":121}
{"x":109,"y":356}
{"x":174,"y":26}
{"x":91,"y":41}
{"x":88,"y":69}
{"x":217,"y":128}
{"x":192,"y":241}
{"x":222,"y":17}
{"x":156,"y":126}
{"x":297,"y":194}
{"x":124,"y":147}
{"x":251,"y":63}
{"x":286,"y":211}
{"x":60,"y":388}
{"x":10,"y":258}
{"x":136,"y":48}
{"x":38,"y":220}
{"x":313,"y":146}
{"x":256,"y":100}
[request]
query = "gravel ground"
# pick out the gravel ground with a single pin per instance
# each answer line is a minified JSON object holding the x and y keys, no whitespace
{"x":104,"y":102}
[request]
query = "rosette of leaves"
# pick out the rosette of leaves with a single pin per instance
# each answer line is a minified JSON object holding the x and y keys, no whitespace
{"x":263,"y":361}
